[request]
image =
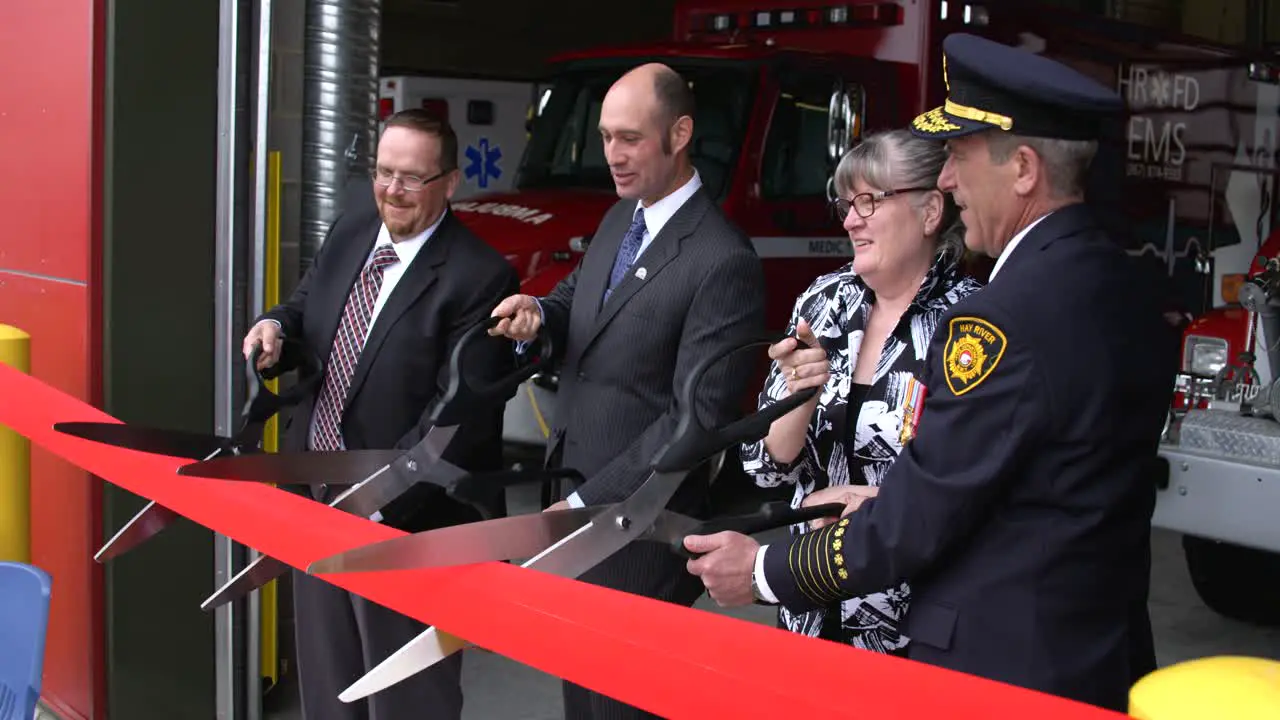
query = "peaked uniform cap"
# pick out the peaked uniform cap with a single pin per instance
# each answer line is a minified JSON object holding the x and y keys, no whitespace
{"x":990,"y":85}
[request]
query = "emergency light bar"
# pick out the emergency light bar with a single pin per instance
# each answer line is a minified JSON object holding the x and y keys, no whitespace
{"x":970,"y":15}
{"x":437,"y":107}
{"x":847,"y":15}
{"x":1264,"y":72}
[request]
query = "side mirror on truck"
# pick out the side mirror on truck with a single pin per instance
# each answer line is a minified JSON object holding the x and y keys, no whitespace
{"x":845,"y":112}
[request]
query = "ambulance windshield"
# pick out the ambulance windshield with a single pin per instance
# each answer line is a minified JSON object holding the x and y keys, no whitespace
{"x":566,"y":151}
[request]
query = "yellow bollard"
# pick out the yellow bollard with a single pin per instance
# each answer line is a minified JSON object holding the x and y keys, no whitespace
{"x":269,"y":632}
{"x":15,"y":461}
{"x":1235,"y":687}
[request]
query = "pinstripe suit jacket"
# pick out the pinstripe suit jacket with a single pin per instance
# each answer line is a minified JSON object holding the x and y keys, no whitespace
{"x":623,"y":362}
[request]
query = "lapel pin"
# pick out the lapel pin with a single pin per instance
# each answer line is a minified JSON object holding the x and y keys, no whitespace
{"x":641,"y":273}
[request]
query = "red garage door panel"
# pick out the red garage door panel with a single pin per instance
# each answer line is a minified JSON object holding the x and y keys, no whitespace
{"x":50,"y":190}
{"x":65,"y":512}
{"x":46,"y":50}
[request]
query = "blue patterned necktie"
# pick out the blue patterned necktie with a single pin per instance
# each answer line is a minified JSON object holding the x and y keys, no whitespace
{"x":626,"y":253}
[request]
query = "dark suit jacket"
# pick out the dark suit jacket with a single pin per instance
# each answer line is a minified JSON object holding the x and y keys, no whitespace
{"x":453,"y":283}
{"x":1021,"y":512}
{"x":623,"y":363}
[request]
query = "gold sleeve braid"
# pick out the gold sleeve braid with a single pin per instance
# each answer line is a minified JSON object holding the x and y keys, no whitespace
{"x":816,"y":562}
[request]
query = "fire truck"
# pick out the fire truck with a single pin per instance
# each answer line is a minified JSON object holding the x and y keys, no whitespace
{"x":783,"y":90}
{"x":1223,"y":437}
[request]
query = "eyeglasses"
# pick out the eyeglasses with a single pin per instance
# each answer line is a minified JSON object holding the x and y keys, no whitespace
{"x":410,"y":183}
{"x":865,"y":203}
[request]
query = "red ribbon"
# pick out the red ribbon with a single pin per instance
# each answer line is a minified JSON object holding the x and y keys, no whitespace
{"x":670,"y":660}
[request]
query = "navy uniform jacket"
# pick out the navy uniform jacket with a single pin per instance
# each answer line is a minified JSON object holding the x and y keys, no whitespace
{"x":1021,"y":511}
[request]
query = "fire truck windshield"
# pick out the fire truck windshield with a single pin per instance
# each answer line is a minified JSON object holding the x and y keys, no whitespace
{"x":565,"y":149}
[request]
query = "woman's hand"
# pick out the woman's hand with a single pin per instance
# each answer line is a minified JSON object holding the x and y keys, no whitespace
{"x":803,"y":363}
{"x":801,"y":360}
{"x":851,"y":496}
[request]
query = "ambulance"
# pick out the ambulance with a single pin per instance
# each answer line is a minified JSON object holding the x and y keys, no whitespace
{"x":1183,"y":181}
{"x":491,"y":118}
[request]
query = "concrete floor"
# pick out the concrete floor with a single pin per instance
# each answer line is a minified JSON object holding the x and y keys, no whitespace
{"x":497,"y":688}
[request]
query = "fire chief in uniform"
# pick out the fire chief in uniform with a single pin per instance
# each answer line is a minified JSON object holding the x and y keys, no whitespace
{"x":1021,"y":511}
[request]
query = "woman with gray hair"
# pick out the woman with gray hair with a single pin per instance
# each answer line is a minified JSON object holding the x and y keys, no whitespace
{"x":861,"y":334}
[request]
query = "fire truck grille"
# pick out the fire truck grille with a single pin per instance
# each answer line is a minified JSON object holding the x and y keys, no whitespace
{"x":1230,"y":435}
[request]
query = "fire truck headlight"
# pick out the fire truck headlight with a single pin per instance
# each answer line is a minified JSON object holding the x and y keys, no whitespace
{"x":1204,"y":355}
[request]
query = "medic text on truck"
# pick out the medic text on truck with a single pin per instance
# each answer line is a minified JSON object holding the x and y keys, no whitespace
{"x":782,"y":90}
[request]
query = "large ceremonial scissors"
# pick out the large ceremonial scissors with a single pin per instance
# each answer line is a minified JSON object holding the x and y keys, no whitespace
{"x":262,"y":405}
{"x":381,"y":476}
{"x":571,"y":542}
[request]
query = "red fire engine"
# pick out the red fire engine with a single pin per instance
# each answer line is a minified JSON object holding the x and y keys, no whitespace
{"x":782,"y":90}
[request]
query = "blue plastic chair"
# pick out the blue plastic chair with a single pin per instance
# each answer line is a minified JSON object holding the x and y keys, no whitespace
{"x":24,"y":621}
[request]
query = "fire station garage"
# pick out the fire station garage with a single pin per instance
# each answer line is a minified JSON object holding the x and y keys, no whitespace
{"x":172,"y":170}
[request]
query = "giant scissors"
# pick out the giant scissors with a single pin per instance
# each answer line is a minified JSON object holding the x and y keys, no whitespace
{"x":262,"y":405}
{"x":571,"y":542}
{"x":381,"y":476}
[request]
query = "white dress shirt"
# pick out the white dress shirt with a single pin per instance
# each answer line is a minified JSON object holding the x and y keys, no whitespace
{"x":657,"y":215}
{"x":1008,"y":249}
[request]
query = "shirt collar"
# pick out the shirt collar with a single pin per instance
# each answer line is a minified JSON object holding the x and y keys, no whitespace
{"x":657,"y":214}
{"x":408,"y":248}
{"x":1008,"y":249}
{"x":938,"y":280}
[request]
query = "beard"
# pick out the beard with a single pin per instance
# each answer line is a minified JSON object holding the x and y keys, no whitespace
{"x":399,"y":219}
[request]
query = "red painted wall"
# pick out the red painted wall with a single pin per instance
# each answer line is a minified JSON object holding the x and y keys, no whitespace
{"x":51,"y":53}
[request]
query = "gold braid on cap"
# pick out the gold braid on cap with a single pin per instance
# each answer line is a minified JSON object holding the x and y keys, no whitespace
{"x":1004,"y":122}
{"x":962,"y":111}
{"x":934,"y":121}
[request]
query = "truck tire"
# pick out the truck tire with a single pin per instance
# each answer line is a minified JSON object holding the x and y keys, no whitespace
{"x":1237,"y":582}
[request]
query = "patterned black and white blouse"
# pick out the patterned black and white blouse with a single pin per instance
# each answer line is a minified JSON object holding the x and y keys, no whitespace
{"x":837,"y":306}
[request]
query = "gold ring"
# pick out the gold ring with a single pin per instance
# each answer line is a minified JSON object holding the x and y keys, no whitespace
{"x":794,"y":373}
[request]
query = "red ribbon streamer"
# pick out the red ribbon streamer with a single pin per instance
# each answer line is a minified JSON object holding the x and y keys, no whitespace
{"x":670,"y":660}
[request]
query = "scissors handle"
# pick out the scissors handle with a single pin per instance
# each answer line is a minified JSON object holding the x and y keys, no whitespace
{"x":462,"y":394}
{"x":263,"y":403}
{"x":692,"y":442}
{"x":768,"y":517}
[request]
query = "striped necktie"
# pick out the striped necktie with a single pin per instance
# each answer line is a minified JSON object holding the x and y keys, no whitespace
{"x":345,"y":353}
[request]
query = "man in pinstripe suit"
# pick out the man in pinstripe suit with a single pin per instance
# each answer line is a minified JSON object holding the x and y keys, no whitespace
{"x":666,"y":281}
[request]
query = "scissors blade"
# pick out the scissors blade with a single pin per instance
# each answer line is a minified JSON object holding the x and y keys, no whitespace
{"x":522,"y":536}
{"x":337,"y":467}
{"x":671,"y":528}
{"x":261,"y":571}
{"x":148,"y":523}
{"x":425,"y":650}
{"x":428,"y":648}
{"x":609,"y":530}
{"x":422,"y":463}
{"x":174,"y":443}
{"x":364,"y":499}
